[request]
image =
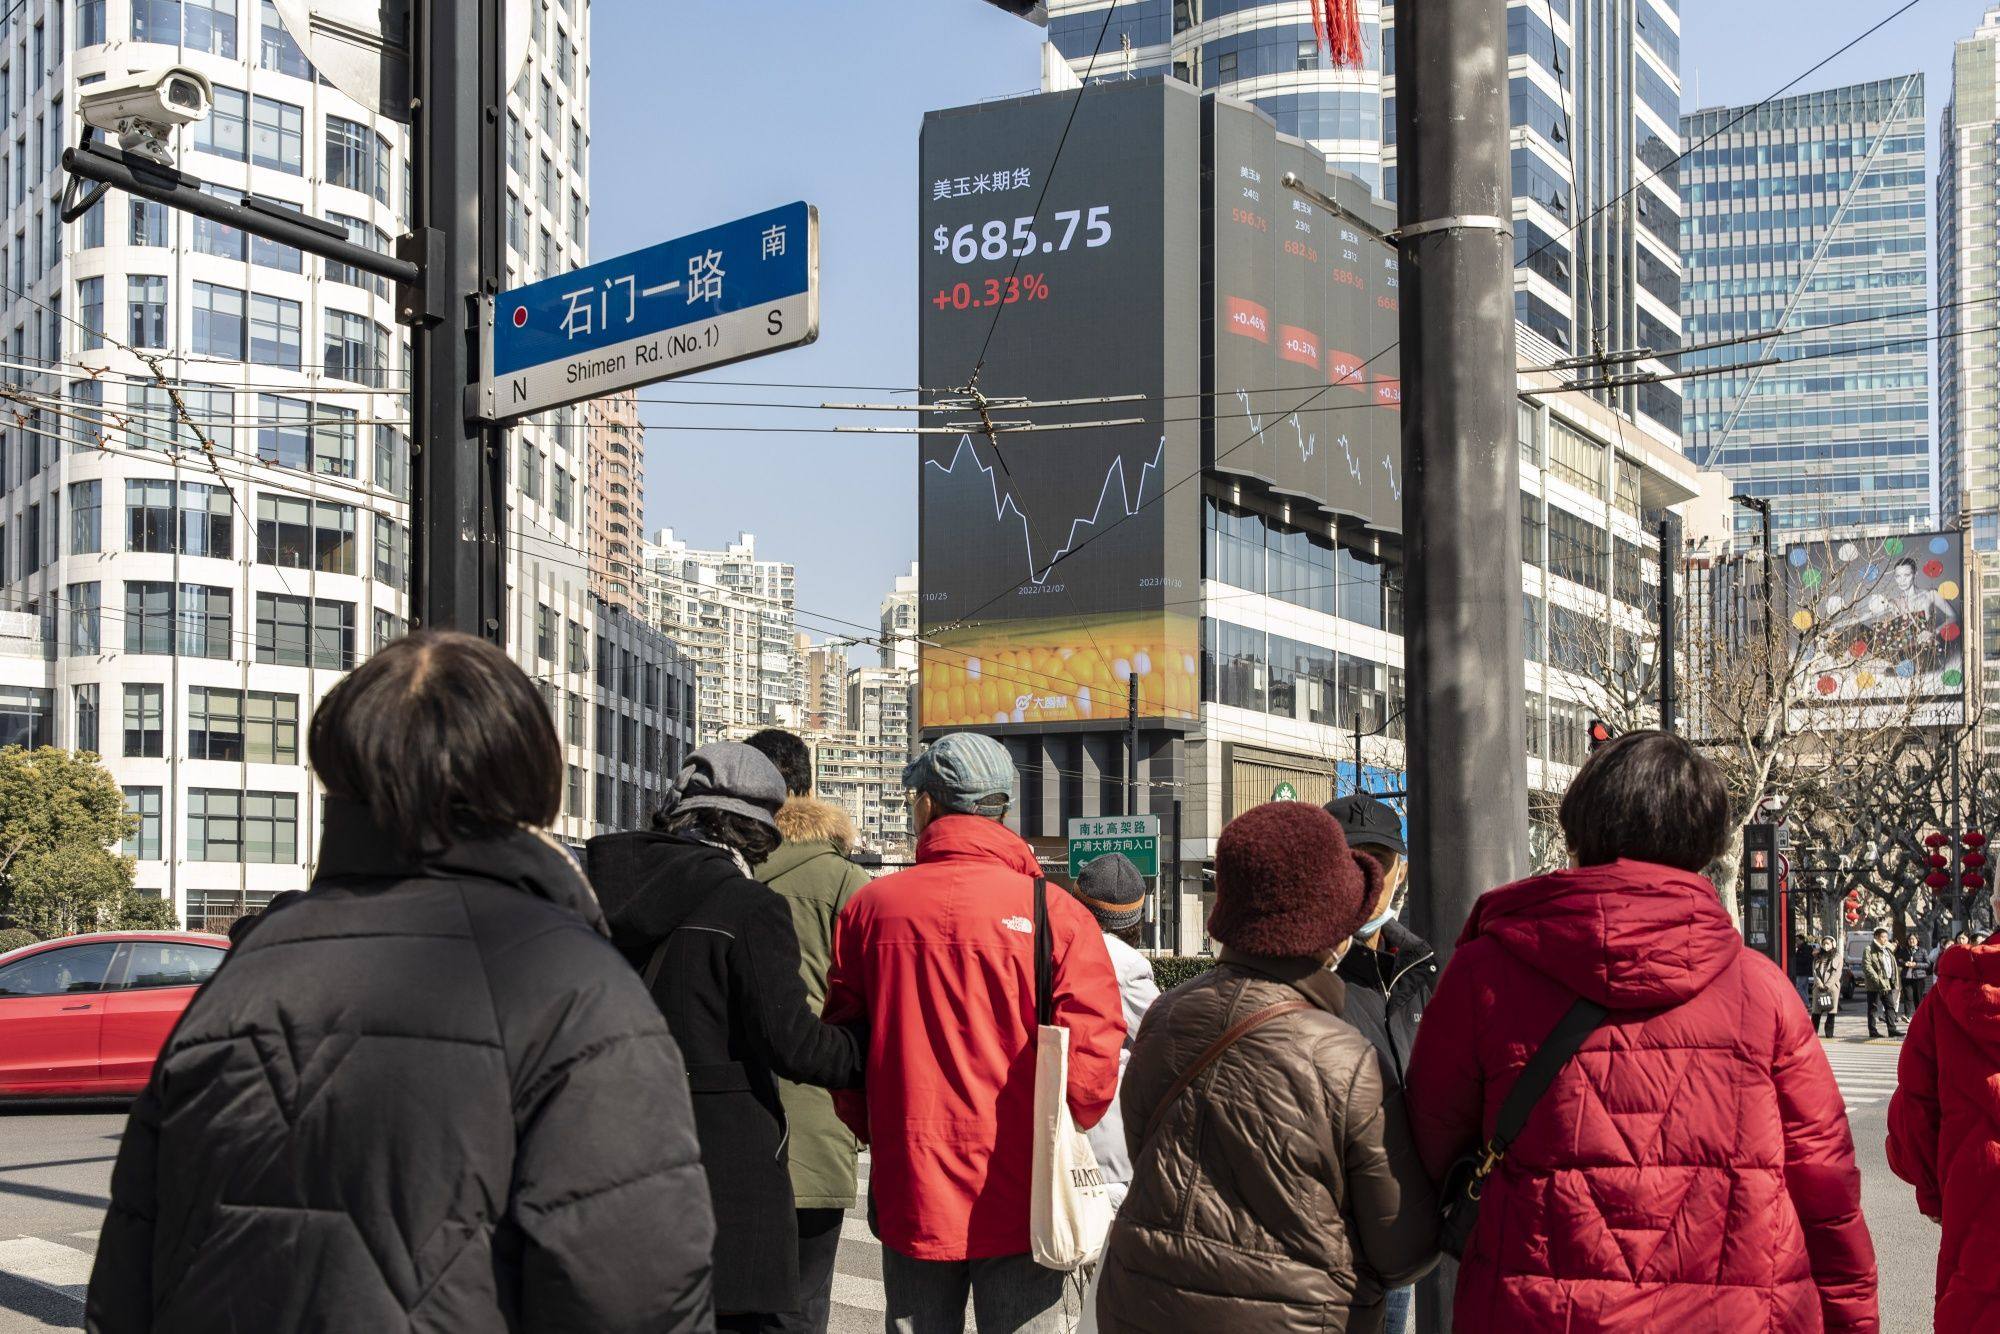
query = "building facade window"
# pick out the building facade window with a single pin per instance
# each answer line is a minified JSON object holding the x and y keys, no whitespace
{"x":277,"y":135}
{"x":275,"y":338}
{"x":83,"y":619}
{"x":356,"y":349}
{"x":143,"y":843}
{"x":86,"y":697}
{"x":299,"y":534}
{"x":225,"y":131}
{"x":191,"y":620}
{"x":145,"y":721}
{"x":219,"y":328}
{"x":258,"y":726}
{"x":305,"y":632}
{"x":256,"y":827}
{"x":146,"y":303}
{"x":392,"y":553}
{"x":150,"y":225}
{"x":276,"y":49}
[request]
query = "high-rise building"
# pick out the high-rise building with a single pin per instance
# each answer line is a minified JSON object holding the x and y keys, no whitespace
{"x":899,"y":622}
{"x":1808,"y":215}
{"x":1264,"y":52}
{"x":732,"y":614}
{"x":878,"y":741}
{"x":1594,"y":97}
{"x":823,"y":684}
{"x":206,"y":513}
{"x":1968,"y":266}
{"x":616,"y":501}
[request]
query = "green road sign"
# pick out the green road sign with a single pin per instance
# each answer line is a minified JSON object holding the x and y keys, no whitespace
{"x":1137,"y":836}
{"x":1284,"y":792}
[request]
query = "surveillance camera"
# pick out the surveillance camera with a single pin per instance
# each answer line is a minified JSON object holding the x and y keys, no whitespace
{"x":143,"y":107}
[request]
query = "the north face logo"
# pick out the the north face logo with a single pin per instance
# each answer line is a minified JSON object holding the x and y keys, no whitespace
{"x":1021,"y":924}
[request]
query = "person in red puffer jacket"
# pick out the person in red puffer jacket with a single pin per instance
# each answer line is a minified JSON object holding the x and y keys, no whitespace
{"x":1942,"y":1131}
{"x":1691,"y":1167}
{"x":941,"y":960}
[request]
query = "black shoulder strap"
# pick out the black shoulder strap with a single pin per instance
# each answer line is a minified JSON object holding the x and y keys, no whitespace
{"x":1045,"y":957}
{"x":1578,"y":1023}
{"x":658,"y":961}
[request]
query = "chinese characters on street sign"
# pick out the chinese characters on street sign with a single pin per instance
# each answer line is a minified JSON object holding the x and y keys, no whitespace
{"x":1137,"y":836}
{"x":739,"y":290}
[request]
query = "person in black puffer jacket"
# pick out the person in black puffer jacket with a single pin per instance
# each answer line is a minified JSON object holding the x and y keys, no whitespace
{"x":1390,"y":970}
{"x":721,"y":957}
{"x":407,"y":1103}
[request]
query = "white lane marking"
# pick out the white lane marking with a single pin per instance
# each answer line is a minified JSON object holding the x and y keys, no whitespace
{"x":48,"y":1263}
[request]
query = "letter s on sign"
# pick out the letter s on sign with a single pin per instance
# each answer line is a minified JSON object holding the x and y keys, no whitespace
{"x":774,"y":323}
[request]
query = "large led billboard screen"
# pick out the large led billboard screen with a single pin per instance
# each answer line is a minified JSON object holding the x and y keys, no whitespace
{"x":1056,"y":565}
{"x":1306,"y":381}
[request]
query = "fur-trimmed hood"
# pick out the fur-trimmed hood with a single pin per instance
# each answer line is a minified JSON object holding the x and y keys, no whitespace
{"x":810,"y":820}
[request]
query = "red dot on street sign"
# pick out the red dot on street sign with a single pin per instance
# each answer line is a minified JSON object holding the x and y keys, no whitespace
{"x":520,"y":317}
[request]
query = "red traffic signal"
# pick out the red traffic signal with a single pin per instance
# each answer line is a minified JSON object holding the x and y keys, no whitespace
{"x":1936,"y":840}
{"x":1599,"y":732}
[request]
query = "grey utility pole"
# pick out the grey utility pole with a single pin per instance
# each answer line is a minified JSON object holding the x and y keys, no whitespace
{"x":459,"y":74}
{"x":1467,"y":745}
{"x":1461,"y":507}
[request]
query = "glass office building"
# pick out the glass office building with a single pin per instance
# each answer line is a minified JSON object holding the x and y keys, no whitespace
{"x":1968,"y":242}
{"x":1807,"y":216}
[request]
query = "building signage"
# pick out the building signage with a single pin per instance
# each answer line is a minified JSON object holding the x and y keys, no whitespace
{"x":1137,"y":836}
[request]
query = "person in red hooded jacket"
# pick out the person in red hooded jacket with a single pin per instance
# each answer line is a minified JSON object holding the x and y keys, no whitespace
{"x":1942,"y":1135}
{"x":1691,"y":1166}
{"x":941,"y":959}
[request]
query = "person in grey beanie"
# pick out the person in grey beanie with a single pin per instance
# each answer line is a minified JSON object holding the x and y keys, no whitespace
{"x":718,"y":952}
{"x":1114,"y":891}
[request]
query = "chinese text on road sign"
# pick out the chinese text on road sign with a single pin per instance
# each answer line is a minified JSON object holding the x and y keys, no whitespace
{"x":1137,"y":836}
{"x":739,"y":290}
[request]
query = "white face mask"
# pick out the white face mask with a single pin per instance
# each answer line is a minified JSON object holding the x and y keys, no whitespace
{"x":1370,"y":928}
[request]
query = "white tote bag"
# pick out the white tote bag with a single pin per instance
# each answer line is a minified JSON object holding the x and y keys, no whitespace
{"x":1069,"y":1209}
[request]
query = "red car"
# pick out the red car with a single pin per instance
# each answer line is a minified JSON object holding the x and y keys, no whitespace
{"x":85,"y":1016}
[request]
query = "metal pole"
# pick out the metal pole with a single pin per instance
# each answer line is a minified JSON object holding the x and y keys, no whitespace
{"x":1357,"y":754}
{"x":1670,"y":542}
{"x":1173,"y":940}
{"x":1957,"y":835}
{"x":1461,"y":504}
{"x":457,"y":478}
{"x":1132,"y":744}
{"x":1770,"y":616}
{"x":1461,"y":501}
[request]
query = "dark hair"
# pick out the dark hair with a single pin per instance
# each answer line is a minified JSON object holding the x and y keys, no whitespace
{"x":791,"y":755}
{"x":1909,"y":561}
{"x":1647,"y":796}
{"x":754,"y":839}
{"x":441,"y":737}
{"x":1133,"y":935}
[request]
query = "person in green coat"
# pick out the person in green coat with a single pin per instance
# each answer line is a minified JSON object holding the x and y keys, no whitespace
{"x":811,"y":872}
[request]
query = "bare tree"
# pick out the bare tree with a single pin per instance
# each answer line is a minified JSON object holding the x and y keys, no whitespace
{"x":1777,"y":707}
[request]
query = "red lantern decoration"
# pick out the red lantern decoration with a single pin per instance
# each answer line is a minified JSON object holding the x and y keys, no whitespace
{"x":1936,"y":840}
{"x":1974,"y":839}
{"x":1938,"y":880}
{"x":1972,"y":880}
{"x":1974,"y":859}
{"x":1938,"y":861}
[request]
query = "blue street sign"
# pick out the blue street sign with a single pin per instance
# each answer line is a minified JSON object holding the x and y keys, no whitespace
{"x":739,"y":290}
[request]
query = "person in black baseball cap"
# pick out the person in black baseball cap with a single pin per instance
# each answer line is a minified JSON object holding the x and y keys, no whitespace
{"x":1390,"y":971}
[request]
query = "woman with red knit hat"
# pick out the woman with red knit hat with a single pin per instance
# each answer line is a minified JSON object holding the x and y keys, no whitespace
{"x":1274,"y":1186}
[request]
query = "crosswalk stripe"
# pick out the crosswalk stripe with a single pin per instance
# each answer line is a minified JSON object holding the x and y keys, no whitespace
{"x":48,"y":1263}
{"x":863,"y":1294}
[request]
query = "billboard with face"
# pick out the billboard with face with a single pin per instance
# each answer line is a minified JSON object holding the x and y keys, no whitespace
{"x":1057,"y":566}
{"x":1881,"y":622}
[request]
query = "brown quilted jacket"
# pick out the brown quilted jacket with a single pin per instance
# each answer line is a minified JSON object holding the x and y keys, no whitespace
{"x":1282,"y":1192}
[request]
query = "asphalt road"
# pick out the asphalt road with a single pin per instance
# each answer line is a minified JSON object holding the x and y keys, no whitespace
{"x":55,"y":1171}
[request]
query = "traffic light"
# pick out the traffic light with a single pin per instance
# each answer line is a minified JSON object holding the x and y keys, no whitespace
{"x":1600,"y":732}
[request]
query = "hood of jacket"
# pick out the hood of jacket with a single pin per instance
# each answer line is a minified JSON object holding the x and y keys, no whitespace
{"x":651,"y":882}
{"x":810,"y":820}
{"x":1628,"y":935}
{"x":354,"y":846}
{"x":975,"y":838}
{"x":1968,"y":980}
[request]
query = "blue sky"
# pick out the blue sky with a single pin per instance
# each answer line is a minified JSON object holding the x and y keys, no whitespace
{"x":734,"y":106}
